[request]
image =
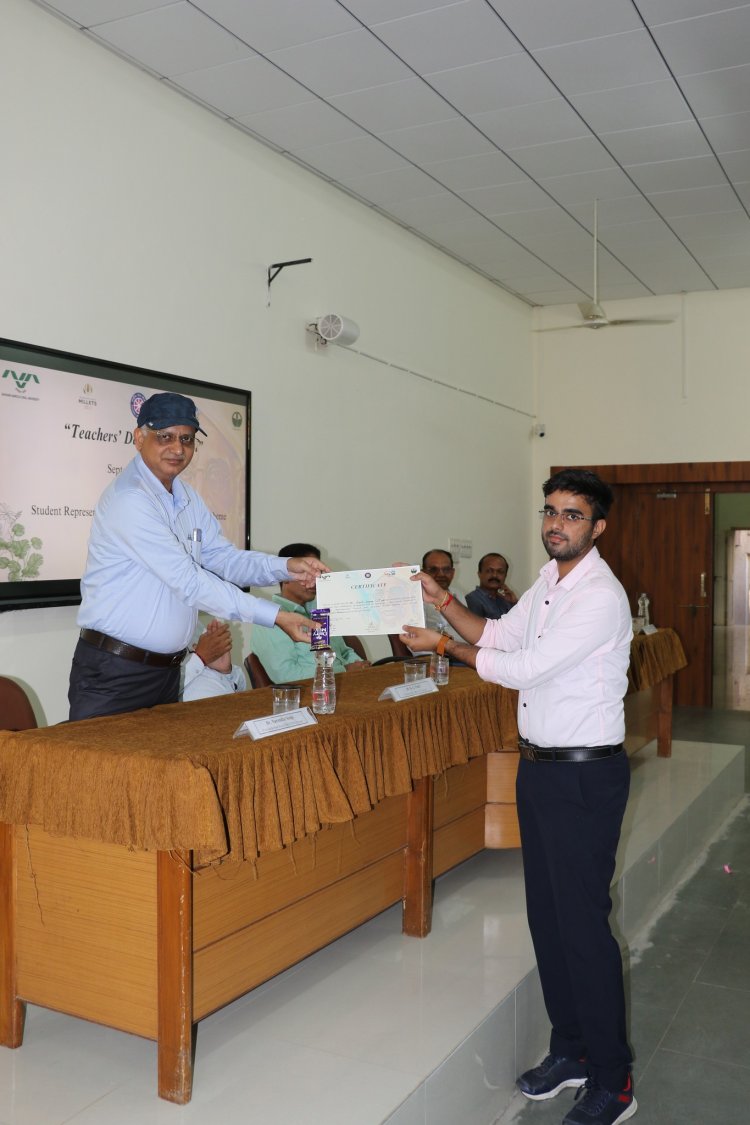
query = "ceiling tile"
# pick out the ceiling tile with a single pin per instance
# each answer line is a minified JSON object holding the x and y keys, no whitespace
{"x":560,"y":158}
{"x":531,"y":124}
{"x":632,"y":107}
{"x":444,"y":212}
{"x":553,"y":296}
{"x":89,"y":13}
{"x":505,"y":198}
{"x":585,"y":187}
{"x":293,"y":126}
{"x":270,"y":25}
{"x":476,"y":171}
{"x":394,"y":106}
{"x":675,"y":277}
{"x":658,"y":142}
{"x":341,"y":63}
{"x":729,"y":132}
{"x":173,"y":40}
{"x":662,"y":11}
{"x":371,"y":11}
{"x":612,"y":212}
{"x":249,"y":85}
{"x":718,"y":91}
{"x":498,"y":84}
{"x":737,"y":165}
{"x":652,"y":234}
{"x":743,"y":191}
{"x":674,"y":175}
{"x":694,"y":201}
{"x":708,"y":42}
{"x":726,"y":232}
{"x":603,"y":64}
{"x":544,"y":25}
{"x":441,"y":38}
{"x":729,"y":271}
{"x":350,"y":160}
{"x":400,"y":183}
{"x":425,"y":144}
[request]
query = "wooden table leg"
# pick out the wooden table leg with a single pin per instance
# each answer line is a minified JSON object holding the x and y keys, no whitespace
{"x":174,"y":891}
{"x":664,"y":694}
{"x":12,"y":1010}
{"x":417,"y":914}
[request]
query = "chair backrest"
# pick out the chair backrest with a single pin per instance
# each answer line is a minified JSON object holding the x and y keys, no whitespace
{"x":356,"y":644}
{"x":398,"y":648}
{"x":16,"y":712}
{"x":258,"y":676}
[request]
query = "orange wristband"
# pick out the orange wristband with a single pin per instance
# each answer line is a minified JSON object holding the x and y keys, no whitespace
{"x":440,"y":646}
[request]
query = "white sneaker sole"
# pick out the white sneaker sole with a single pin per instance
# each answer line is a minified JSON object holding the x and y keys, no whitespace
{"x":575,"y":1082}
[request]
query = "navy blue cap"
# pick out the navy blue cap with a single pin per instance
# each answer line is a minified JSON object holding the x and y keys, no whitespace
{"x":169,"y":409}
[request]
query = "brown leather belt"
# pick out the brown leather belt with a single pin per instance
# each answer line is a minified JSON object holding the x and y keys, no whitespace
{"x":130,"y":652}
{"x":534,"y":753}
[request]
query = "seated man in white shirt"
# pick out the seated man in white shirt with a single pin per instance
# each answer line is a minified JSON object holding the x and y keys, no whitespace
{"x":209,"y":670}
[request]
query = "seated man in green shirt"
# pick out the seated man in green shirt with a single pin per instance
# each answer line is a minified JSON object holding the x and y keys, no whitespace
{"x":284,"y":659}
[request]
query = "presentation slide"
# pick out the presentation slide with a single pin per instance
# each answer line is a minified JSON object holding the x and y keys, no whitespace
{"x":67,"y":435}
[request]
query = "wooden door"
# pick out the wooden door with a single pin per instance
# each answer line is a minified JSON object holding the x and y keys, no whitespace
{"x":659,"y":541}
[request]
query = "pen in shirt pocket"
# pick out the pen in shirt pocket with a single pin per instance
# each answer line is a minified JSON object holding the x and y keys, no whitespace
{"x":195,"y":544}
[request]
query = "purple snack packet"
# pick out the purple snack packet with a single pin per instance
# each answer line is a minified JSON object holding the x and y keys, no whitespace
{"x":319,"y":637}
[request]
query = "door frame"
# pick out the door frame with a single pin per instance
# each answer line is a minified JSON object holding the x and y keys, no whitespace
{"x":711,"y":477}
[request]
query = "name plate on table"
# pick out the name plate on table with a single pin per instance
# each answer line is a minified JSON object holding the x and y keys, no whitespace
{"x":399,"y":692}
{"x":649,"y":629}
{"x":276,"y":724}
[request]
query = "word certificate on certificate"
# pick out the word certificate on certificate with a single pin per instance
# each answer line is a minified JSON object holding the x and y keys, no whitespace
{"x":371,"y":603}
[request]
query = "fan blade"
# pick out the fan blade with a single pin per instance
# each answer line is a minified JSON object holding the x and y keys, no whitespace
{"x":639,"y":320}
{"x":565,"y":327}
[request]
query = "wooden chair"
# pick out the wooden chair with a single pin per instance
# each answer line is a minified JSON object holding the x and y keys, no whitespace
{"x":259,"y":678}
{"x":356,"y":644}
{"x":398,"y":648}
{"x":16,"y":712}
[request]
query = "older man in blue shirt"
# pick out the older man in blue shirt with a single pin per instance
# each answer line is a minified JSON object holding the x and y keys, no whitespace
{"x":156,"y":557}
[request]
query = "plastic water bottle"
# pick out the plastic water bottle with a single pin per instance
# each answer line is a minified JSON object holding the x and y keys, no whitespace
{"x":324,"y":684}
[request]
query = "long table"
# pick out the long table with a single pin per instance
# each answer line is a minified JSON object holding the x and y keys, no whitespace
{"x":154,"y":868}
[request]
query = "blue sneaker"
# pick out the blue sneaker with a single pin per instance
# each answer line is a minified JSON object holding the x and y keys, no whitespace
{"x":599,"y":1106}
{"x":551,"y":1076}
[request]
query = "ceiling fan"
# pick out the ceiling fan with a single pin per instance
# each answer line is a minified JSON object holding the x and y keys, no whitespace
{"x":592,"y":312}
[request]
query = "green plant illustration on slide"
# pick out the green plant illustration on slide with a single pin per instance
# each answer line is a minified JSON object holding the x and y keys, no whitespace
{"x":19,"y":556}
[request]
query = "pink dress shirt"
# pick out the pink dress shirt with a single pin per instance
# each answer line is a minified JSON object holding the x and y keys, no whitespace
{"x":566,"y":647}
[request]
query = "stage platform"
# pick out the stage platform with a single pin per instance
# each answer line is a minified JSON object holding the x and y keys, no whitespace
{"x":378,"y":1027}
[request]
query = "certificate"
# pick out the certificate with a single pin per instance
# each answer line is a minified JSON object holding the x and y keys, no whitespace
{"x":371,"y":603}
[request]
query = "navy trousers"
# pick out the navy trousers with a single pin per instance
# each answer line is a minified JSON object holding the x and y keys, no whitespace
{"x":570,"y":815}
{"x":104,"y":684}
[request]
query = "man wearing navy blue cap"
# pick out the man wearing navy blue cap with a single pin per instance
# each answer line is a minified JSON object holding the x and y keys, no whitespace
{"x":156,"y":557}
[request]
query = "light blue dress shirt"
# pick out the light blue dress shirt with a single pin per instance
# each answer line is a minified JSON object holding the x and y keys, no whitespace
{"x":142,"y":584}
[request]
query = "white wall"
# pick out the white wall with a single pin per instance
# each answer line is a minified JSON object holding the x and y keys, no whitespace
{"x":635,"y":395}
{"x":137,"y":227}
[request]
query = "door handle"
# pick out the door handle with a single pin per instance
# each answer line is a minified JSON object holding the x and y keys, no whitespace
{"x":703,"y":584}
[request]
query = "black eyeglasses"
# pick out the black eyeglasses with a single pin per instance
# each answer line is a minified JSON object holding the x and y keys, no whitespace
{"x":567,"y":515}
{"x":165,"y":438}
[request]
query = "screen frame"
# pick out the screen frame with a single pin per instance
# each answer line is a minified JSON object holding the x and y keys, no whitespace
{"x":46,"y":593}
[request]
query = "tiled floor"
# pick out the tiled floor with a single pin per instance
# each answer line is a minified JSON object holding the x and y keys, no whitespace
{"x":381,"y":1027}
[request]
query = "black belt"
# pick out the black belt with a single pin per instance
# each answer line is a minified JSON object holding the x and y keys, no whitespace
{"x":534,"y":753}
{"x":130,"y":652}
